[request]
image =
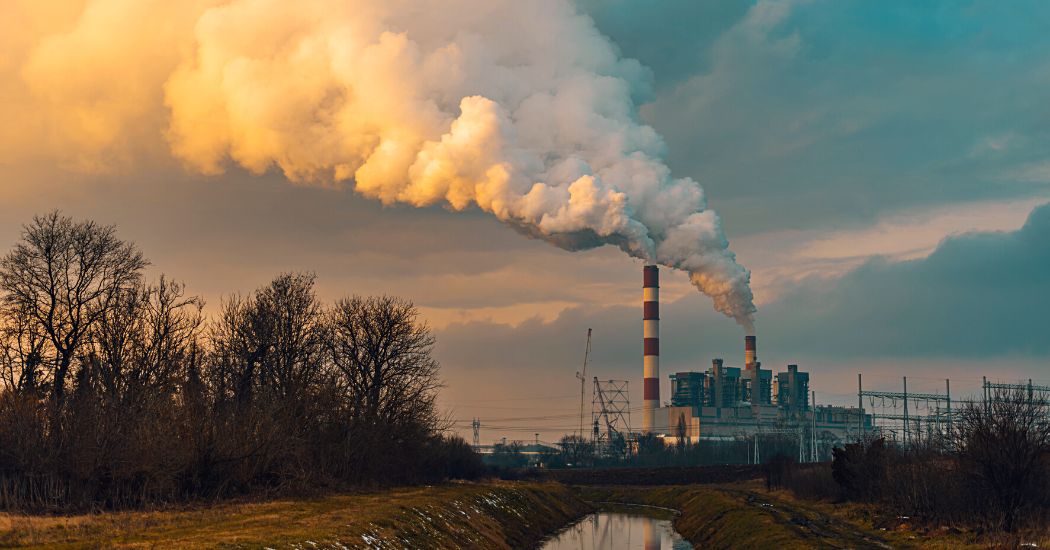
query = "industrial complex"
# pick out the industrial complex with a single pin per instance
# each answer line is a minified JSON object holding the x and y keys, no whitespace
{"x":771,"y":411}
{"x":730,"y":402}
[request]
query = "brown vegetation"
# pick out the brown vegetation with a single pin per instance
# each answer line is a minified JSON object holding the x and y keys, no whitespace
{"x":460,"y":515}
{"x":742,"y":515}
{"x":115,"y":392}
{"x":991,"y":476}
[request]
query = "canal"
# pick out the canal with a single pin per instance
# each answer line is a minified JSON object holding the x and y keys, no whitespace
{"x":618,"y":531}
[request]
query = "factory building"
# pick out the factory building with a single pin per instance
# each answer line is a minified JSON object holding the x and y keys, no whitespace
{"x":727,"y":402}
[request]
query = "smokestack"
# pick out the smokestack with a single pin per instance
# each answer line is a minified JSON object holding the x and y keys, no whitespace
{"x":716,"y":383}
{"x":650,"y":345}
{"x":750,"y":351}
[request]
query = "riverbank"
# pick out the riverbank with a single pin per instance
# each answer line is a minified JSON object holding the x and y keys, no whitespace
{"x":745,"y":515}
{"x":498,"y":515}
{"x":741,"y":516}
{"x":473,"y":515}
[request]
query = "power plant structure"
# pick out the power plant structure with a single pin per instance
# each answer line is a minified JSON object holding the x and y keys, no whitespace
{"x":728,"y":403}
{"x":650,"y":346}
{"x":770,"y":412}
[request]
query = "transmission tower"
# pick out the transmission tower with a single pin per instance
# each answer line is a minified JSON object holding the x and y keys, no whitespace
{"x":476,"y":425}
{"x":611,"y":416}
{"x":1033,"y":392}
{"x":909,"y":423}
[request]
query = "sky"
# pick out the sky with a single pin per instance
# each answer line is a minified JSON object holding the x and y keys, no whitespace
{"x":881,"y":169}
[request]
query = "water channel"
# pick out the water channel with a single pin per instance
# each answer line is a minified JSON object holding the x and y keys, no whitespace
{"x":618,"y":531}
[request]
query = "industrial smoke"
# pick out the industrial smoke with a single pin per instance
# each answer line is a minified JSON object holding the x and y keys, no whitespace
{"x":521,"y":109}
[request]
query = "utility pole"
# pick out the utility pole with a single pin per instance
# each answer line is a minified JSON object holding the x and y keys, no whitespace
{"x":813,"y":431}
{"x":801,"y":441}
{"x":948,"y":392}
{"x":905,"y":411}
{"x":860,"y":407}
{"x":583,"y":379}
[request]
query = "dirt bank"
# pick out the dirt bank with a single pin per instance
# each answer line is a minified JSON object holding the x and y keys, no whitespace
{"x":484,"y":515}
{"x":735,"y":517}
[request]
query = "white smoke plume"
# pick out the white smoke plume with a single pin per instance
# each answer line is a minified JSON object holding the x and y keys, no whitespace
{"x":519,"y":108}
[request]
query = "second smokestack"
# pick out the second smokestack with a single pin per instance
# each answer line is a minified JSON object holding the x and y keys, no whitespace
{"x":750,"y":351}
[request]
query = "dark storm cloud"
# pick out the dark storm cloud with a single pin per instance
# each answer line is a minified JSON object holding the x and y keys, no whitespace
{"x":671,"y":37}
{"x":827,"y":114}
{"x":984,"y":295}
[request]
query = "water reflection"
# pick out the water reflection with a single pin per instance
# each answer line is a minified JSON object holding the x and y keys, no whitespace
{"x":616,"y":531}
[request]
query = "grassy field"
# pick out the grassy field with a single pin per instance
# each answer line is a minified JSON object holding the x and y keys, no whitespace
{"x":490,"y":515}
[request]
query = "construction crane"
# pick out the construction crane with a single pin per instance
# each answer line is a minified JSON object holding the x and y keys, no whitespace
{"x":583,"y":379}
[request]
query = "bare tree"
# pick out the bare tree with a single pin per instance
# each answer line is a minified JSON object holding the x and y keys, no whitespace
{"x":271,"y":342}
{"x":383,"y":353}
{"x":116,"y":393}
{"x":1004,"y":452}
{"x":142,"y":344}
{"x":22,"y":345}
{"x":63,"y":277}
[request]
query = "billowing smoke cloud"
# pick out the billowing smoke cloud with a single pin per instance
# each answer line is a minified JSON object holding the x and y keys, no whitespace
{"x":521,"y":109}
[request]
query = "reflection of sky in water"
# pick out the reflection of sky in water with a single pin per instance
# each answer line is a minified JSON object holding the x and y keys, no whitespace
{"x":608,"y":531}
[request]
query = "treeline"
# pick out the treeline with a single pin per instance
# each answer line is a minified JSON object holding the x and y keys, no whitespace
{"x":991,"y":473}
{"x":647,"y":452}
{"x":116,"y":392}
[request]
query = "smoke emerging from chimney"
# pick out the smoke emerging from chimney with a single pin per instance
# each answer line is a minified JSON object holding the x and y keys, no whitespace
{"x":521,"y":109}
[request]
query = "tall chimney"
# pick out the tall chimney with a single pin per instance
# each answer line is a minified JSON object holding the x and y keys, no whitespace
{"x":650,"y":345}
{"x":750,"y":350}
{"x":716,"y":383}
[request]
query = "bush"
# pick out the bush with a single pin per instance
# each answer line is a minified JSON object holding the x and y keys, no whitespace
{"x":813,"y":482}
{"x":861,"y":468}
{"x":994,"y":474}
{"x":777,"y":469}
{"x":1004,"y":458}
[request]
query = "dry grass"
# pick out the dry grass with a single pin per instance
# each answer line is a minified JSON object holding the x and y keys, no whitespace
{"x":743,"y":515}
{"x":490,"y":515}
{"x":901,"y":531}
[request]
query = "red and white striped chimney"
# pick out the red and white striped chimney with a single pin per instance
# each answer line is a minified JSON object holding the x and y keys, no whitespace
{"x":651,"y":345}
{"x":750,"y":350}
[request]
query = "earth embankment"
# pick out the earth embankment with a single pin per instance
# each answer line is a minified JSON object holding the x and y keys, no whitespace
{"x":496,"y":515}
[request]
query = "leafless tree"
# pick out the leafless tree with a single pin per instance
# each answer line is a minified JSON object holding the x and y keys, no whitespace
{"x":22,"y":345}
{"x":388,"y":379}
{"x":383,"y":353}
{"x":271,"y":342}
{"x":116,"y":393}
{"x":142,"y":344}
{"x":1004,"y":453}
{"x":63,"y":277}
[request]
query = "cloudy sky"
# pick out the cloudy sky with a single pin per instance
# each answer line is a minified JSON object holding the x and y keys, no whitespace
{"x":881,"y":168}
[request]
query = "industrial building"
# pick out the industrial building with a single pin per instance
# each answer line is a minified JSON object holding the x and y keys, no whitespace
{"x":725,"y":402}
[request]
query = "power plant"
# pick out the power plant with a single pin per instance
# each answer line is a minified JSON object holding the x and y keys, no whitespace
{"x":725,"y":402}
{"x":748,"y":403}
